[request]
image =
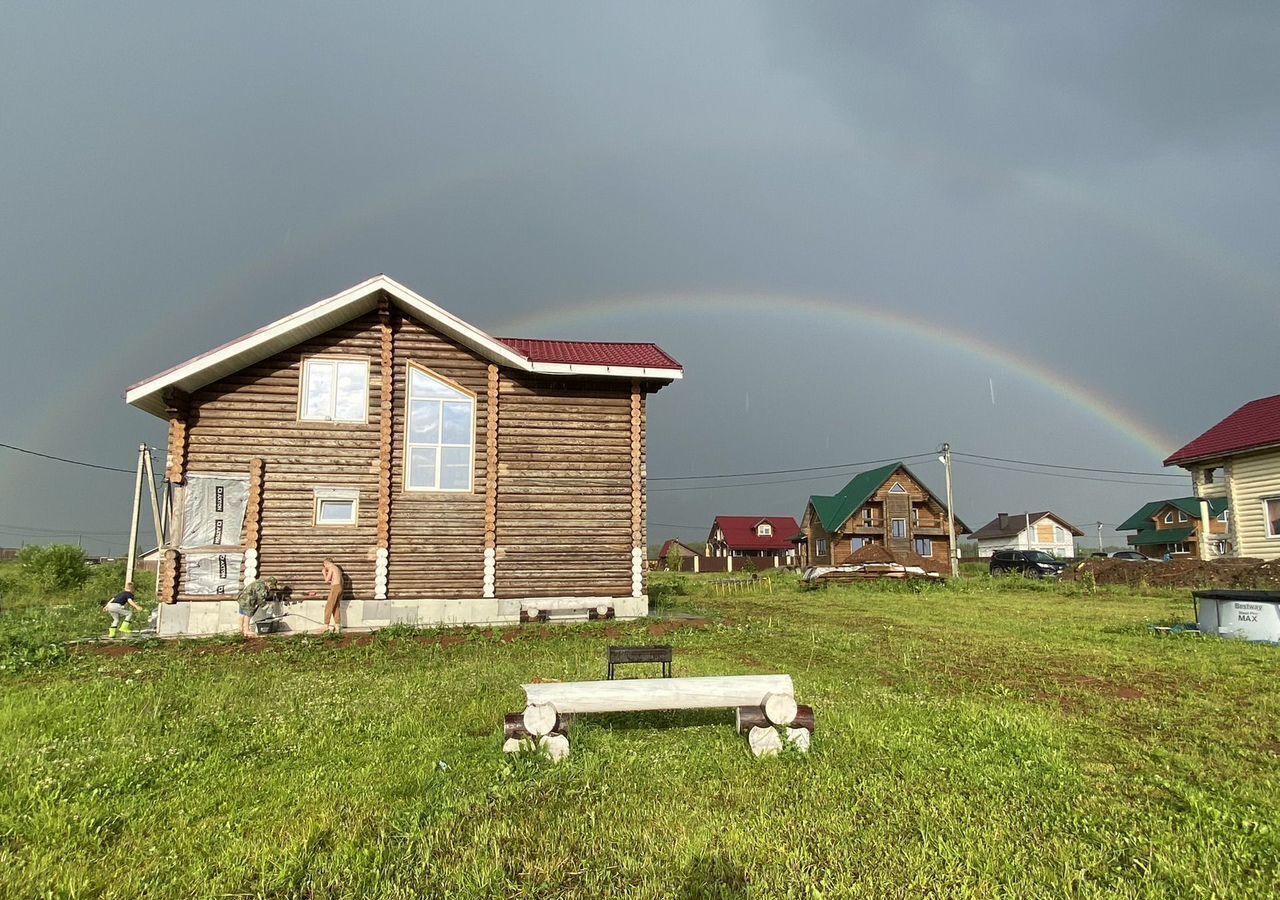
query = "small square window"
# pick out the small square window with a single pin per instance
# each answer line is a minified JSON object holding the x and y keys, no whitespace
{"x":899,"y":528}
{"x":336,"y":507}
{"x":334,"y":390}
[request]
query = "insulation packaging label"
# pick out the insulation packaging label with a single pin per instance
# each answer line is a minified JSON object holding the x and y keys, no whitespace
{"x":213,"y":513}
{"x":213,"y":573}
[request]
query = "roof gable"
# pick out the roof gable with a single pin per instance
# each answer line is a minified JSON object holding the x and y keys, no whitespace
{"x":740,"y":532}
{"x":834,"y":511}
{"x":571,"y":358}
{"x":1144,"y":518}
{"x":1016,"y":523}
{"x":1252,"y":426}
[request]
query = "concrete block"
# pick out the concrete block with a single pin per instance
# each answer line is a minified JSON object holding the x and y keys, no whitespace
{"x":404,"y":612}
{"x":228,"y":616}
{"x":375,"y":613}
{"x":203,"y":618}
{"x":173,"y":618}
{"x":352,"y":615}
{"x":631,"y":607}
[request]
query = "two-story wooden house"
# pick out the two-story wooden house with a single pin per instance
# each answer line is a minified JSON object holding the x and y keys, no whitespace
{"x":455,"y":477}
{"x":1174,"y":526}
{"x":1237,"y":461}
{"x":888,"y":506}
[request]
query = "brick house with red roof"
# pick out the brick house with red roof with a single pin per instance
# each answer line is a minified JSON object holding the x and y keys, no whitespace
{"x":1238,"y":460}
{"x":753,"y":536}
{"x":454,"y":476}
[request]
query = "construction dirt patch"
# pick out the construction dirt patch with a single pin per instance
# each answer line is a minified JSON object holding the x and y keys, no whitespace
{"x":1254,"y":574}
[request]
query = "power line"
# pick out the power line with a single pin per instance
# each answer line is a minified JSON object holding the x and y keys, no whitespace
{"x":1025,"y":462}
{"x":1061,"y":474}
{"x":63,"y":459}
{"x":869,"y":462}
{"x":34,"y":530}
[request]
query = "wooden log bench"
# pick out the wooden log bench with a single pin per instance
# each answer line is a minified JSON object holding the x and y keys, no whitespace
{"x":765,"y":704}
{"x":623,"y":656}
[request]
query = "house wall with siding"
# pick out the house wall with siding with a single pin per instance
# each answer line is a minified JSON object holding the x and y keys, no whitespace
{"x":1251,"y":480}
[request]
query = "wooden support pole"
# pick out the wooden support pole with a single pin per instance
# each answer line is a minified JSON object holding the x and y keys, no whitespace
{"x":137,"y":513}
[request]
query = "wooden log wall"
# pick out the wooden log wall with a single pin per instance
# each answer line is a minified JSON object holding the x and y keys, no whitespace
{"x":564,"y":493}
{"x":437,"y":539}
{"x":638,"y":549}
{"x":254,"y":414}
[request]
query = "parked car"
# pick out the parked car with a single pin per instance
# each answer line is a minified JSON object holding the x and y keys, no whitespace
{"x":1131,"y":555}
{"x":1031,"y":563}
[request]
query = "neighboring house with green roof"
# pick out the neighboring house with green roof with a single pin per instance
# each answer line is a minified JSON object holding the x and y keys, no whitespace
{"x":1173,"y":527}
{"x":888,"y":506}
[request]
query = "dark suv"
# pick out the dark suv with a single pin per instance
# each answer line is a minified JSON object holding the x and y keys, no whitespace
{"x":1031,"y":563}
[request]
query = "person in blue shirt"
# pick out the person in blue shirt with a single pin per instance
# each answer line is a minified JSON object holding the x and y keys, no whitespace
{"x":118,"y":607}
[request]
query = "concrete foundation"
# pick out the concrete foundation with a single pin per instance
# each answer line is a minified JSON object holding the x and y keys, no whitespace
{"x":216,"y":616}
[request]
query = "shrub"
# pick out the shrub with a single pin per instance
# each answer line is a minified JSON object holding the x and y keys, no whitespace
{"x":53,"y":567}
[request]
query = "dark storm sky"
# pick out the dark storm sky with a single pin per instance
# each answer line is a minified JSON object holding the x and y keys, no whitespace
{"x":855,"y":225}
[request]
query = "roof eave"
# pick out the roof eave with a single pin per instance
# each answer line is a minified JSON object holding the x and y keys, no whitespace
{"x":324,"y":315}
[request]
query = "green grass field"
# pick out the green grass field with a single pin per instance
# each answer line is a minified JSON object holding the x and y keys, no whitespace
{"x":982,"y":739}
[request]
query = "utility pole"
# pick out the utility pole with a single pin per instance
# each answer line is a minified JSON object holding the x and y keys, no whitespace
{"x":1099,"y":524}
{"x":945,"y":459}
{"x":137,"y":512}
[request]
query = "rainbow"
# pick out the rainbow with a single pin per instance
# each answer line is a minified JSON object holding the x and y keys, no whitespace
{"x":949,"y":340}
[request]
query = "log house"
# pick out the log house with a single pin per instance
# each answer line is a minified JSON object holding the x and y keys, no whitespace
{"x":456,"y":477}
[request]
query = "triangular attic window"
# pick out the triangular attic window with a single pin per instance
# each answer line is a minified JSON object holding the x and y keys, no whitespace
{"x":897,"y":489}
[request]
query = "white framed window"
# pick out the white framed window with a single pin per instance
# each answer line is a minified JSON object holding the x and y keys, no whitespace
{"x":899,"y":528}
{"x":439,"y":439}
{"x":1222,"y":516}
{"x":856,"y":544}
{"x":866,"y":515}
{"x":336,"y":506}
{"x":1177,"y":548}
{"x":924,"y":547}
{"x":334,"y":389}
{"x":897,"y":489}
{"x":820,"y":548}
{"x":1059,"y":534}
{"x":915,"y":515}
{"x":1271,"y":511}
{"x":764,"y":529}
{"x":1168,"y":518}
{"x":1182,"y":517}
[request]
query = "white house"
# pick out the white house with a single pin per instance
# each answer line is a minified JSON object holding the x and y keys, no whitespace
{"x":1045,"y":531}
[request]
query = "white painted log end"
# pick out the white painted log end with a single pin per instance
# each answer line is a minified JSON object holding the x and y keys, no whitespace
{"x":780,"y":708}
{"x":539,"y":718}
{"x":799,"y":739}
{"x":764,"y":742}
{"x":555,"y":746}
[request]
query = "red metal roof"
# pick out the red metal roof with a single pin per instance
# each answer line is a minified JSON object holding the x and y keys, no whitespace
{"x":740,"y":532}
{"x":593,"y":353}
{"x":1253,"y":425}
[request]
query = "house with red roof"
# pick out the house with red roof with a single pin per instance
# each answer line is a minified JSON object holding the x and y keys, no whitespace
{"x":1238,"y":461}
{"x":455,"y":477}
{"x":753,"y":536}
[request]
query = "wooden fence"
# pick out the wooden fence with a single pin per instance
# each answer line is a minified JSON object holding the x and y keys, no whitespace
{"x":726,"y":563}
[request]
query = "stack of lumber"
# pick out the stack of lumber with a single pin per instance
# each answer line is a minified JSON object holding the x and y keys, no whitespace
{"x":767,"y":711}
